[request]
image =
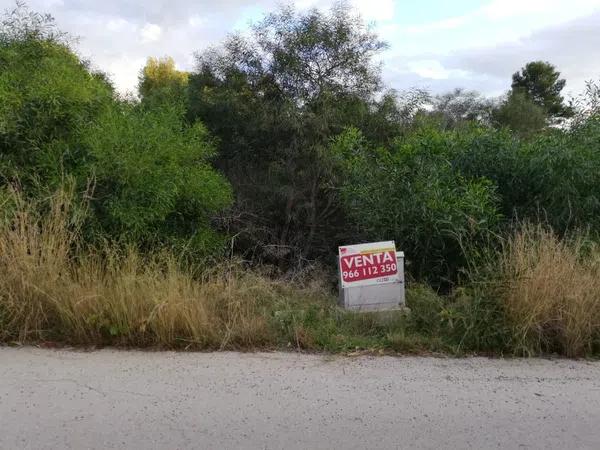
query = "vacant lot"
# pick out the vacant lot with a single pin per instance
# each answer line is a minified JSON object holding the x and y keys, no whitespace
{"x":108,"y":399}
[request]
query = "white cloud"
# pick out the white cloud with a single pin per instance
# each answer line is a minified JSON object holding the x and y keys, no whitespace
{"x":434,"y":70}
{"x":377,"y":10}
{"x":573,"y":47}
{"x":52,"y":3}
{"x":502,"y":9}
{"x":196,"y":21}
{"x":370,"y":10}
{"x":499,"y":21}
{"x":440,"y":25}
{"x":124,"y":71}
{"x":118,"y":24}
{"x":150,"y":32}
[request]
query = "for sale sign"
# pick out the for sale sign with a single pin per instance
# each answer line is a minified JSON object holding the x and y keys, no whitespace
{"x":368,"y":264}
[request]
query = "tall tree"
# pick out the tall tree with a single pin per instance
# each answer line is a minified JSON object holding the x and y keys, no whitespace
{"x":274,"y":99}
{"x":461,"y":106}
{"x":159,"y":80}
{"x":47,"y":96}
{"x":540,"y":82}
{"x":520,"y":115}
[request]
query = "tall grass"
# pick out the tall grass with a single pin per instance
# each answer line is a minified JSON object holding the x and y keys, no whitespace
{"x":550,"y":291}
{"x":543,"y":295}
{"x":53,"y":289}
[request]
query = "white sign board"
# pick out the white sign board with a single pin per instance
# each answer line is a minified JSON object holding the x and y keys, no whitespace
{"x":368,"y":264}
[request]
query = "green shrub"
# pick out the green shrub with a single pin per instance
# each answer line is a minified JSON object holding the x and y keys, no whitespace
{"x":553,"y":177}
{"x":563,"y":170}
{"x":46,"y":96}
{"x":146,"y":173}
{"x":411,"y":193}
{"x":153,"y":179}
{"x":476,"y":322}
{"x":426,"y":309}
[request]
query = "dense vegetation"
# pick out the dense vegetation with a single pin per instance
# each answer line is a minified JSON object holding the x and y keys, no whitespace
{"x":196,"y":214}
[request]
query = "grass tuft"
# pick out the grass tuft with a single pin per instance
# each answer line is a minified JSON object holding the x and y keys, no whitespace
{"x":550,"y":289}
{"x":50,"y":289}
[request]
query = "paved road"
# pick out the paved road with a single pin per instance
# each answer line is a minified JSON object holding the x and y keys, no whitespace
{"x":150,"y":400}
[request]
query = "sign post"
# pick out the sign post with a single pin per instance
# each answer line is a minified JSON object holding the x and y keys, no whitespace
{"x":371,"y":276}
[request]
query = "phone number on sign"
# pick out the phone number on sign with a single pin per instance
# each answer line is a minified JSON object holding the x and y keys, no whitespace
{"x":370,"y":272}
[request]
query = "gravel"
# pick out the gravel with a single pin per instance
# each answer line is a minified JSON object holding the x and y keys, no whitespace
{"x":55,"y":399}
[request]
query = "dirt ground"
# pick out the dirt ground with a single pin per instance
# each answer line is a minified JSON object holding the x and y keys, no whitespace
{"x":51,"y":399}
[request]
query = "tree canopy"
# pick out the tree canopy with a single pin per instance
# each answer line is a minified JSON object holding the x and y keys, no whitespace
{"x":160,"y":81}
{"x":540,"y":82}
{"x":145,"y":172}
{"x":275,"y":98}
{"x":285,"y":140}
{"x":520,"y":115}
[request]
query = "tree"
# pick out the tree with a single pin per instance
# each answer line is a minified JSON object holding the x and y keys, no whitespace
{"x":274,"y":99}
{"x":160,"y":81}
{"x":47,"y":95}
{"x":459,"y":106}
{"x":153,"y":181}
{"x":540,"y":82}
{"x":520,"y":115}
{"x":151,"y":173}
{"x":587,"y":104}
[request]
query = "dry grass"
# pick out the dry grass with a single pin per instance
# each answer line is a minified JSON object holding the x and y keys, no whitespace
{"x":51,"y":290}
{"x":551,"y":292}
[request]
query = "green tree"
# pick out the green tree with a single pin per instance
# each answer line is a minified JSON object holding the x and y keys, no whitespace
{"x":540,"y":82}
{"x":562,"y":170}
{"x":550,"y":177}
{"x":160,"y":81}
{"x":274,"y":99}
{"x":520,"y":115}
{"x":153,"y":182}
{"x":47,"y":95}
{"x":150,"y":172}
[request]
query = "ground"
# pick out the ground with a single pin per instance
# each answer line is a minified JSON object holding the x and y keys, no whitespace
{"x":52,"y":399}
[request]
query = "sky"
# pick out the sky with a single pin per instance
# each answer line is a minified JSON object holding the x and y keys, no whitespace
{"x":438,"y":45}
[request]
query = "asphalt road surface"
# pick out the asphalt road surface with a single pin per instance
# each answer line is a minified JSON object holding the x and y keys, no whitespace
{"x":162,"y":400}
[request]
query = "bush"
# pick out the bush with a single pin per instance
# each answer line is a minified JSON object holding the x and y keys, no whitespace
{"x":411,"y":193}
{"x":466,"y":321}
{"x":426,"y":308}
{"x":47,"y":95}
{"x":520,"y":115}
{"x":476,"y":322}
{"x":148,"y":173}
{"x":563,"y":170}
{"x":553,"y":177}
{"x":153,"y":182}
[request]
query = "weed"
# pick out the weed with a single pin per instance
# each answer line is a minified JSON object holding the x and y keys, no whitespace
{"x":550,"y":288}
